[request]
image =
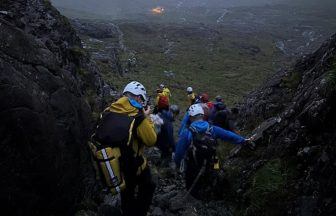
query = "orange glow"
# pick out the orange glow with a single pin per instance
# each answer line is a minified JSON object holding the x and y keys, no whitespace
{"x":158,"y":10}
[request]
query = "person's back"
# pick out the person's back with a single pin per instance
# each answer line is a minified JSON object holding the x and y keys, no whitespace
{"x":185,"y":147}
{"x":191,"y":96}
{"x":134,"y":164}
{"x":165,"y":139}
{"x":166,"y":92}
{"x":218,"y":106}
{"x":225,"y":119}
{"x":221,"y":119}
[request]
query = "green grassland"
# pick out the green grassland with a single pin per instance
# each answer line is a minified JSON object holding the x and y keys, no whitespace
{"x":229,"y":56}
{"x":213,"y":60}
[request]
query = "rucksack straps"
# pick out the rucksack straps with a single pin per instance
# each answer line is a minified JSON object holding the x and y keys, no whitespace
{"x":115,"y":129}
{"x":194,"y":131}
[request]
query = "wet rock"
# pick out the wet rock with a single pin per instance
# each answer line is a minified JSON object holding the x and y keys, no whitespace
{"x":304,"y":137}
{"x":45,"y":114}
{"x":107,"y":210}
{"x":177,"y":203}
{"x":324,"y":157}
{"x":85,"y":213}
{"x":153,"y":154}
{"x":169,"y":188}
{"x":96,"y":30}
{"x":157,"y":212}
{"x":307,"y":206}
{"x":162,"y":200}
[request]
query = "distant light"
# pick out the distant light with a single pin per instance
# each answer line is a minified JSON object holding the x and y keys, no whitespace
{"x":158,"y":10}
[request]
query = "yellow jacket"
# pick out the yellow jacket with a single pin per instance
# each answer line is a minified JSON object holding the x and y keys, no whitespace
{"x":165,"y":92}
{"x":158,"y":97}
{"x":145,"y":130}
{"x":191,"y":98}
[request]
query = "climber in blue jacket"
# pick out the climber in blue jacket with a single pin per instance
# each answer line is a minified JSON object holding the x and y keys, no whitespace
{"x":197,"y":145}
{"x":195,"y":115}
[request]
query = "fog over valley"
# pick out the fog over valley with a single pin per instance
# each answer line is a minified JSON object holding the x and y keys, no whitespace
{"x":118,"y":8}
{"x":168,"y":107}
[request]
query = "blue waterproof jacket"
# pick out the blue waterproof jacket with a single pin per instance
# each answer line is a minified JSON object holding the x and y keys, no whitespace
{"x":165,"y":139}
{"x":184,"y":123}
{"x":185,"y":138}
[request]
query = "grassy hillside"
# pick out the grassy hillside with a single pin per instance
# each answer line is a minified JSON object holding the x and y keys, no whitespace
{"x":211,"y":60}
{"x":219,"y":51}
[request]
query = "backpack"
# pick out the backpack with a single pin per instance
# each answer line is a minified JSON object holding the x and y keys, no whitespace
{"x":203,"y":147}
{"x":111,"y":146}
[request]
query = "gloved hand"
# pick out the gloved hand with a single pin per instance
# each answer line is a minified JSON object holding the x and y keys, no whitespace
{"x":250,"y":144}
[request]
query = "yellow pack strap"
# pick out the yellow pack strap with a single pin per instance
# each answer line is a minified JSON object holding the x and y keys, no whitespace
{"x":130,"y":132}
{"x":109,"y":168}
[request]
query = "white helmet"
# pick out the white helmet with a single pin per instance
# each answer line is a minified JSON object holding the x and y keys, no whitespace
{"x":189,"y":89}
{"x":136,"y":88}
{"x":196,"y":109}
{"x":162,"y":85}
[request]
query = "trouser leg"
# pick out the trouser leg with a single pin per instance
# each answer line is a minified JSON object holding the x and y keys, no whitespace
{"x":191,"y":174}
{"x":128,"y":201}
{"x":145,"y":192}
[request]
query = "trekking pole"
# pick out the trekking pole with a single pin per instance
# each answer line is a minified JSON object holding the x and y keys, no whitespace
{"x":200,"y":173}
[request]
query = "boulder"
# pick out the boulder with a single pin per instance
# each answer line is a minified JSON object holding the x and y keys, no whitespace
{"x":49,"y":89}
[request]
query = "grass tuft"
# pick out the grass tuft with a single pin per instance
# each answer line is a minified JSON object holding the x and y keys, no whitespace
{"x":267,"y":189}
{"x":293,"y":80}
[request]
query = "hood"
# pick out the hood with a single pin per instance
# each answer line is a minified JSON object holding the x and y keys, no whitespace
{"x":123,"y":105}
{"x":200,"y":126}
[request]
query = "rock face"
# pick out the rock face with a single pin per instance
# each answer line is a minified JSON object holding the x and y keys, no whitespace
{"x":105,"y":42}
{"x":293,"y":170}
{"x":49,"y":88}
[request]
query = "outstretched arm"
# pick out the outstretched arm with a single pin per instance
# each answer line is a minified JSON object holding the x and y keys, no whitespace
{"x":228,"y":136}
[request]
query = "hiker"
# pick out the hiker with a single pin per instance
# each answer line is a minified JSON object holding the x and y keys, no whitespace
{"x":165,"y":90}
{"x":218,"y":105}
{"x":197,"y":144}
{"x":219,"y":99}
{"x":222,"y":116}
{"x":124,"y":130}
{"x":191,"y":96}
{"x":204,"y":97}
{"x":162,"y":91}
{"x":165,"y":139}
{"x":186,"y":118}
{"x":225,"y":119}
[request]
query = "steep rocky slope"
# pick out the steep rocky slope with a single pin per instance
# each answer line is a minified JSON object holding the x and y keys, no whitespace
{"x":49,"y":88}
{"x":293,"y":169}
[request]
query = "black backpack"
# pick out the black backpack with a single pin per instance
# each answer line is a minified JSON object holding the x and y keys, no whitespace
{"x":113,"y":151}
{"x":119,"y":130}
{"x":203,"y":146}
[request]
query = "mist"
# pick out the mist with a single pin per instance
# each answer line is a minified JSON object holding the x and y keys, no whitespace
{"x":118,"y":8}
